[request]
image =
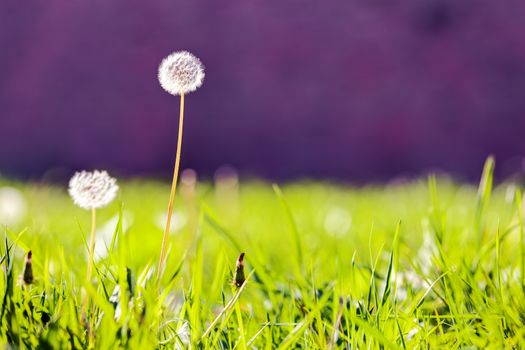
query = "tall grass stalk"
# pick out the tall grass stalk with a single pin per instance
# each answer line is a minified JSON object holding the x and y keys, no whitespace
{"x":164,"y":247}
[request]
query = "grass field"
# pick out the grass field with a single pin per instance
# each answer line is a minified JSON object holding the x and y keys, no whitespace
{"x":423,"y":264}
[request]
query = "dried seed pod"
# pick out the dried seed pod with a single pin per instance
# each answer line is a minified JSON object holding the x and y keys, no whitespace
{"x":239,"y":272}
{"x":27,"y":275}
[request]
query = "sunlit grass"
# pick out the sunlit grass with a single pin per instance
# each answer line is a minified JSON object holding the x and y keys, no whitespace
{"x":408,"y":265}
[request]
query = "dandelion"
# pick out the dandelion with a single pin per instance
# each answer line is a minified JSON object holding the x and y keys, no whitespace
{"x":337,"y":221}
{"x":179,"y":73}
{"x":12,"y":206}
{"x":92,"y":190}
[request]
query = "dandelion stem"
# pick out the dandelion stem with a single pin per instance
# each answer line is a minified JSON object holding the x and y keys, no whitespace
{"x":91,"y":244}
{"x":89,"y":272}
{"x":160,"y":270}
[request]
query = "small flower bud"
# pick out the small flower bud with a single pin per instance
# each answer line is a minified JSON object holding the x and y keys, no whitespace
{"x":27,"y":275}
{"x":239,"y":272}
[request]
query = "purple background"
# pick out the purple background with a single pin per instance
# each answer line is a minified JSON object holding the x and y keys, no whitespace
{"x":355,"y":90}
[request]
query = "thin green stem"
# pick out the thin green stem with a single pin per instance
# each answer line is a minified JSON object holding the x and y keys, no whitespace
{"x":519,"y":211}
{"x":163,"y":249}
{"x":91,"y":244}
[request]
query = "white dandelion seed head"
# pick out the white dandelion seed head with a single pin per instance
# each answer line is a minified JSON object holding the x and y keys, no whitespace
{"x":92,"y":189}
{"x":181,"y":72}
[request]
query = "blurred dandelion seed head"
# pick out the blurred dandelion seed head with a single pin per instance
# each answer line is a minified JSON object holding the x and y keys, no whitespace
{"x":178,"y":222}
{"x":188,"y":177}
{"x":181,"y":72}
{"x":104,"y":235}
{"x":92,"y":189}
{"x":12,"y":206}
{"x":337,"y":221}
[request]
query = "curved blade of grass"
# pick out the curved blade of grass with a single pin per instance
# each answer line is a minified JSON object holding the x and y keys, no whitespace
{"x":401,"y":336}
{"x":252,"y":339}
{"x":388,"y":278}
{"x":373,"y":332}
{"x":291,"y":223}
{"x":226,"y":312}
{"x":429,"y":289}
{"x":484,"y":191}
{"x":211,"y":219}
{"x":299,"y":329}
{"x":259,"y":274}
{"x":519,"y":211}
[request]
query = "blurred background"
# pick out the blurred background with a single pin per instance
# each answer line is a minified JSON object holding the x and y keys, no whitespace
{"x":348,"y":90}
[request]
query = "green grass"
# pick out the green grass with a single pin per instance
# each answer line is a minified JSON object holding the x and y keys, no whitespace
{"x":425,"y":264}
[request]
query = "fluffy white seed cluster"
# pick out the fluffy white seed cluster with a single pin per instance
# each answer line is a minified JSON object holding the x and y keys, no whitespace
{"x":181,"y":72}
{"x":92,"y":189}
